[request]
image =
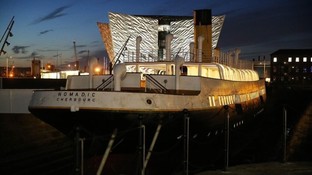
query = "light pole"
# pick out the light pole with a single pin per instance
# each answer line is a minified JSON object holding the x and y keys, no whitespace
{"x":7,"y":66}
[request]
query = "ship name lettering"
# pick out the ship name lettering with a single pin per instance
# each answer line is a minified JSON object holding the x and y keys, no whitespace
{"x":76,"y":96}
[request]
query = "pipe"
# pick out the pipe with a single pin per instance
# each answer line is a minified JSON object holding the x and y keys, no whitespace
{"x":200,"y":54}
{"x":200,"y":48}
{"x":138,"y":42}
{"x":236,"y":53}
{"x":152,"y":146}
{"x":192,"y":51}
{"x":186,"y":140}
{"x":137,"y":54}
{"x":178,"y":63}
{"x":107,"y":151}
{"x":169,"y":38}
{"x":227,"y":138}
{"x":119,"y":73}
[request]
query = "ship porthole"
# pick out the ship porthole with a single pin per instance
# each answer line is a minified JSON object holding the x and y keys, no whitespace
{"x":149,"y":101}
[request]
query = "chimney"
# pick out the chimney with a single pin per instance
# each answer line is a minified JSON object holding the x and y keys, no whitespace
{"x":202,"y":27}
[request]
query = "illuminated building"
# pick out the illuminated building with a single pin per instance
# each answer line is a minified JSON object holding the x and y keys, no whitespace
{"x":153,"y":30}
{"x":291,"y":67}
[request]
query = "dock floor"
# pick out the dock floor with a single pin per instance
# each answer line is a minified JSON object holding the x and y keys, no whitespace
{"x":269,"y":168}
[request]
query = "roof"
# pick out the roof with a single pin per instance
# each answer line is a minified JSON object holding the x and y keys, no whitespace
{"x":293,"y":52}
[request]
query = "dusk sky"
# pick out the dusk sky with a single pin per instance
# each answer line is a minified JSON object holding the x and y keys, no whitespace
{"x":43,"y":29}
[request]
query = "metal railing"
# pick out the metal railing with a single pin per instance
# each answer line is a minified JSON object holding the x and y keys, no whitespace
{"x":105,"y":83}
{"x":159,"y":87}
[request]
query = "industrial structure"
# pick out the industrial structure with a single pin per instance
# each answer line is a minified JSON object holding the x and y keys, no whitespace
{"x":122,"y":30}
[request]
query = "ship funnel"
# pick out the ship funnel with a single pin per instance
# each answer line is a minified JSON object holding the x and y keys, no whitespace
{"x":202,"y":27}
{"x":119,"y":73}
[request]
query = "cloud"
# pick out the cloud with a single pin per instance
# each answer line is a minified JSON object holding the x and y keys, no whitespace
{"x":80,"y":46}
{"x":54,"y":14}
{"x":57,"y":55}
{"x":83,"y":51}
{"x":45,"y":31}
{"x":19,"y":49}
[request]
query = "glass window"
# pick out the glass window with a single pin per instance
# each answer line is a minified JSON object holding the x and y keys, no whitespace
{"x":304,"y":59}
{"x":289,"y":59}
{"x":297,"y":59}
{"x":275,"y":59}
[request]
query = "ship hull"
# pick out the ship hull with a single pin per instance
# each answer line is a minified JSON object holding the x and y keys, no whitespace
{"x":206,"y":134}
{"x":99,"y":113}
{"x":99,"y":123}
{"x":198,"y":113}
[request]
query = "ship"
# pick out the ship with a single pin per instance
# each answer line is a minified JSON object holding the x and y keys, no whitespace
{"x":162,"y":99}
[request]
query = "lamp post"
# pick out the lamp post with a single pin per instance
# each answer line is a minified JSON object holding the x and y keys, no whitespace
{"x":7,"y":66}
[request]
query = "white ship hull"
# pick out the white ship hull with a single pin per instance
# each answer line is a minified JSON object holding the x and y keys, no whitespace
{"x":105,"y":110}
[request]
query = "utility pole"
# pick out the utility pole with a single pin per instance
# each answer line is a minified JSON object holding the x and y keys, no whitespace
{"x":76,"y":60}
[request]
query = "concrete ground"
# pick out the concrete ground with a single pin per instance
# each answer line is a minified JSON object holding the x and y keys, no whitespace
{"x":270,"y":168}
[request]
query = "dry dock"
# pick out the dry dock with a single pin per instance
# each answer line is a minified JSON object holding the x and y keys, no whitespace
{"x":270,"y":168}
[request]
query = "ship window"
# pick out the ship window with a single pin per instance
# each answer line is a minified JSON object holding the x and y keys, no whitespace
{"x":275,"y":59}
{"x":297,"y":59}
{"x":219,"y":98}
{"x":304,"y":59}
{"x":289,"y":59}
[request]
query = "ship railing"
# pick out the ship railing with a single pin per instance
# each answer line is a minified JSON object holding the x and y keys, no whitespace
{"x":105,"y":83}
{"x":225,"y":58}
{"x":159,"y":87}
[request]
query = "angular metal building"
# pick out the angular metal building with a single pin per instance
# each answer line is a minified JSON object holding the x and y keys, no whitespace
{"x":122,"y":30}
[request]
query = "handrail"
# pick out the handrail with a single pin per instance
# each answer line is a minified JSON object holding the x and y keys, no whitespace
{"x":151,"y":79}
{"x":105,"y":83}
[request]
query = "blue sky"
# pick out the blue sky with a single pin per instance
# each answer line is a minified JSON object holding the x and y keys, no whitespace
{"x":43,"y":29}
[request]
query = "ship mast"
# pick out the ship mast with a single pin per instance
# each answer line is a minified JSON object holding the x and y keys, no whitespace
{"x":7,"y":34}
{"x":76,"y":60}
